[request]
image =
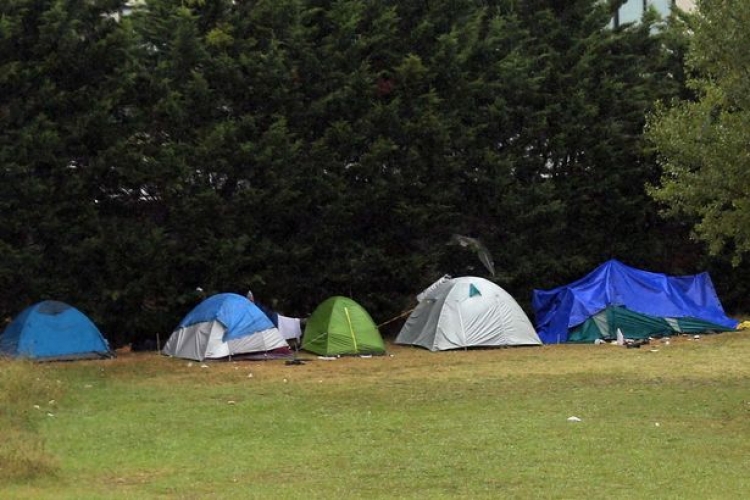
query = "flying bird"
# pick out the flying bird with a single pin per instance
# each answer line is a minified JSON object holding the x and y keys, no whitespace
{"x":474,"y":244}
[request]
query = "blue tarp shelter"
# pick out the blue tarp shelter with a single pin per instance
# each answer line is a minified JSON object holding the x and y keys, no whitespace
{"x":52,"y":330}
{"x":688,"y":300}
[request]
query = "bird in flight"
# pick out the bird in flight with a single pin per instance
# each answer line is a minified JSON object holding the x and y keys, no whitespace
{"x":474,"y":244}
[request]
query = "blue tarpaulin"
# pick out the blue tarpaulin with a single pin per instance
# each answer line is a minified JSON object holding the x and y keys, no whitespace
{"x":616,"y":284}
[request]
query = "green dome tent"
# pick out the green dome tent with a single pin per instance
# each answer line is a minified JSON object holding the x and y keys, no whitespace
{"x":339,"y":327}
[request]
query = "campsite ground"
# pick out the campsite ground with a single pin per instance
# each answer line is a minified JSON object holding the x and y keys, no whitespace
{"x":663,"y":421}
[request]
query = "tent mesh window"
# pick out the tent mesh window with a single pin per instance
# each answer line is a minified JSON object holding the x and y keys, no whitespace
{"x":52,"y":307}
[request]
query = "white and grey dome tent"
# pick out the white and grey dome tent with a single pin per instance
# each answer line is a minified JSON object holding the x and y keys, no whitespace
{"x":458,"y":313}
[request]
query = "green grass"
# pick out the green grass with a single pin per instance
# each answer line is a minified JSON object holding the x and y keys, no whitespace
{"x":673,"y":423}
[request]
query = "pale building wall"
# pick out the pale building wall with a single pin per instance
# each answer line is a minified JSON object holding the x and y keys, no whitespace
{"x":686,"y":5}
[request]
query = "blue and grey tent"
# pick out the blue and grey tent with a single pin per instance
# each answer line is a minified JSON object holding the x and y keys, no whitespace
{"x":226,"y":325}
{"x":52,"y":330}
{"x":640,"y":304}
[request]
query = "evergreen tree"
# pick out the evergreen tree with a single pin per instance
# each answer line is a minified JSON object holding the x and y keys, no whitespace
{"x":63,"y":67}
{"x":307,"y":148}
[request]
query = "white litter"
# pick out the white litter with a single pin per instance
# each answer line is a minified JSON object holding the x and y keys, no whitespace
{"x":327,"y":358}
{"x":574,"y":419}
{"x":620,"y":337}
{"x":204,"y":366}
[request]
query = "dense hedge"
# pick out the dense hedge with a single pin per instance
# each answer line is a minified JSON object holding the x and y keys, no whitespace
{"x":304,"y":149}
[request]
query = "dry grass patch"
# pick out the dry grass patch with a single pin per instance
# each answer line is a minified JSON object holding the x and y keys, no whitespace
{"x":27,"y":395}
{"x":711,"y":355}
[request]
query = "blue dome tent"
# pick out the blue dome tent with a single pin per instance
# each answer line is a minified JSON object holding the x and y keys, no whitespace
{"x":52,"y":330}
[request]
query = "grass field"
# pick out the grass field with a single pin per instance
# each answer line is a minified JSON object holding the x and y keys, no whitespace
{"x":664,"y":421}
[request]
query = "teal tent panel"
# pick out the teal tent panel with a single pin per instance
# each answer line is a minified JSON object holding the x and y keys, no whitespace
{"x":586,"y":333}
{"x":633,"y":325}
{"x":694,"y":325}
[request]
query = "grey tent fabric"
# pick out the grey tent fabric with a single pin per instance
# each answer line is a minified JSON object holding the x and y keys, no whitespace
{"x":467,"y":312}
{"x":206,"y":340}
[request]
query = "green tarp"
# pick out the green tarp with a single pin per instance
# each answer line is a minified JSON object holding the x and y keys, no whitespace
{"x":633,"y":325}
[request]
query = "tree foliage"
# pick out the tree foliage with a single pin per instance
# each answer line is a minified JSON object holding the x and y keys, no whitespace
{"x":703,"y":141}
{"x":63,"y":71}
{"x":309,"y":148}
